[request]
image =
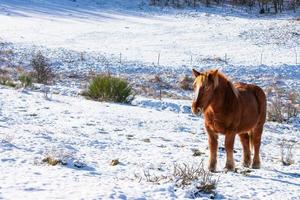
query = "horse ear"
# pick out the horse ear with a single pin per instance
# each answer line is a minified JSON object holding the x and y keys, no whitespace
{"x":195,"y":73}
{"x":215,"y":72}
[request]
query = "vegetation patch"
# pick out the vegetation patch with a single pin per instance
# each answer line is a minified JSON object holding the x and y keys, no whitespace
{"x":42,"y":71}
{"x":108,"y":88}
{"x":283,"y":105}
{"x":26,"y":80}
{"x":286,"y":149}
{"x":114,"y":162}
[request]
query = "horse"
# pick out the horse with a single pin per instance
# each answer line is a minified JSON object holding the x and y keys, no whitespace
{"x":230,"y":109}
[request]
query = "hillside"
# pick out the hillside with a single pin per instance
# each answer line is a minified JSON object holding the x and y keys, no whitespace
{"x":56,"y":144}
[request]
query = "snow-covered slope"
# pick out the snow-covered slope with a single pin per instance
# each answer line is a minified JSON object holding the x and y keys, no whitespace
{"x":82,"y":36}
{"x":93,"y":133}
{"x":140,"y":32}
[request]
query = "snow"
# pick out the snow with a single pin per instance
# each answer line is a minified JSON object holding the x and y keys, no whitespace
{"x":94,"y":133}
{"x":140,"y":32}
{"x":150,"y":135}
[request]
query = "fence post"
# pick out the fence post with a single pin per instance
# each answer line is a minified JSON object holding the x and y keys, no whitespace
{"x":158,"y":58}
{"x":296,"y":55}
{"x":261,"y":57}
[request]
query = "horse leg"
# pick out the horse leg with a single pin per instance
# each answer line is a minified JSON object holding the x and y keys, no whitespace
{"x":256,"y":140}
{"x":229,"y":143}
{"x":213,"y":147}
{"x":244,"y":138}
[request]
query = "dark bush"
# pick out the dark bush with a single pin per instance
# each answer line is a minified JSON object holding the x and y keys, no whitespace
{"x":42,"y":72}
{"x":186,"y":83}
{"x":283,"y":106}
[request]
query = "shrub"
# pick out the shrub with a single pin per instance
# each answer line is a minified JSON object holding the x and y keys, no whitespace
{"x":108,"y":88}
{"x":186,"y":174}
{"x":42,"y":72}
{"x":52,"y":161}
{"x":11,"y":84}
{"x":292,"y":108}
{"x":6,"y":80}
{"x":275,"y":110}
{"x":26,"y":80}
{"x":203,"y":182}
{"x":186,"y":82}
{"x":283,"y":106}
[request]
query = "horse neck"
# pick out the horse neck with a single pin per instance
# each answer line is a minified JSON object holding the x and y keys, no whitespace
{"x":224,"y":98}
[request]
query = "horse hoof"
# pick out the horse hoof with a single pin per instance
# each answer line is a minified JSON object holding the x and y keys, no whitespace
{"x":230,"y":166}
{"x":255,"y":166}
{"x":246,"y":164}
{"x":229,"y":169}
{"x":212,"y":169}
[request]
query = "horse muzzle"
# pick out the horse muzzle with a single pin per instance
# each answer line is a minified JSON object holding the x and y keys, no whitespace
{"x":196,"y":110}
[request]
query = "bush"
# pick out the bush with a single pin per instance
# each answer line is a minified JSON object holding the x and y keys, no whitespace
{"x":203,"y":182}
{"x":275,"y":110}
{"x":42,"y":73}
{"x":11,"y":84}
{"x":186,"y":174}
{"x":107,"y":88}
{"x":186,"y":83}
{"x":6,"y":80}
{"x":283,"y":106}
{"x":26,"y":80}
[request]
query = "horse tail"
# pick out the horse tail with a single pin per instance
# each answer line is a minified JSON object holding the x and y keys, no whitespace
{"x":262,"y":111}
{"x":250,"y":141}
{"x":262,"y":105}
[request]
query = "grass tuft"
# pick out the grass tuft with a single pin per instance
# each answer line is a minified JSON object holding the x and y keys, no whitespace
{"x":108,"y":88}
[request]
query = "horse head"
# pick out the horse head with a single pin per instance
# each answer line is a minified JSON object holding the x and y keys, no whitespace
{"x":204,"y":85}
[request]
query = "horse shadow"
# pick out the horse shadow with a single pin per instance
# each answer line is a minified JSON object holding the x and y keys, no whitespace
{"x":295,"y":175}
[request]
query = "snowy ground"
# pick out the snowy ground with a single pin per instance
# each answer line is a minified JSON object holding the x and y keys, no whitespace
{"x":84,"y":36}
{"x":140,"y":32}
{"x":32,"y":127}
{"x":126,"y":38}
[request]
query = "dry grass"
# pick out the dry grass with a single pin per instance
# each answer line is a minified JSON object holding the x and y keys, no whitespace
{"x":153,"y":178}
{"x":7,"y":81}
{"x":114,"y":162}
{"x":284,"y":105}
{"x":292,"y":106}
{"x":286,"y":149}
{"x":197,"y":152}
{"x":186,"y":174}
{"x":52,"y":161}
{"x":186,"y":82}
{"x":56,"y":156}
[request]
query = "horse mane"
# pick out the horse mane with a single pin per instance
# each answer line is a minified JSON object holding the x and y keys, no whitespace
{"x":231,"y":94}
{"x":231,"y":86}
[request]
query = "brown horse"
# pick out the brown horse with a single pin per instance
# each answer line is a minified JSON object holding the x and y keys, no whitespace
{"x":230,"y":109}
